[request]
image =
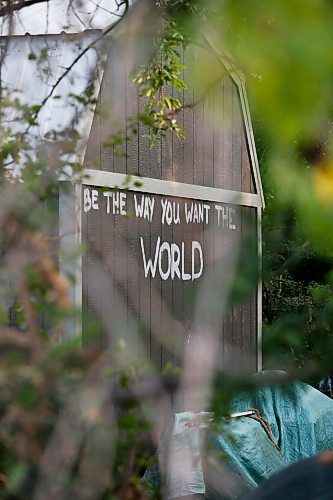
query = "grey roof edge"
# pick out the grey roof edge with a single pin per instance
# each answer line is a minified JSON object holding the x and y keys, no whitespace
{"x":82,"y":144}
{"x":62,"y":34}
{"x":238,"y":77}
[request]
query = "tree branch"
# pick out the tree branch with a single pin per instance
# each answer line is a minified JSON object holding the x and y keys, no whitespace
{"x":175,"y":112}
{"x":9,"y":337}
{"x":92,"y":44}
{"x":33,"y":329}
{"x":11,"y":7}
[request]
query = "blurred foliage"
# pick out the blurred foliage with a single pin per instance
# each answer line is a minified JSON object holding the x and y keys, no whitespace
{"x":165,"y":70}
{"x":68,"y":379}
{"x":285,"y":50}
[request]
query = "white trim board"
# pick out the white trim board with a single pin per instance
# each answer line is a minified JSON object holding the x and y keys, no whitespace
{"x":259,"y":292}
{"x":101,"y":178}
{"x":70,"y":226}
{"x":246,"y":199}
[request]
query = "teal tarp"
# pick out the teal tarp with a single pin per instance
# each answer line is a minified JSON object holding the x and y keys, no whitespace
{"x":301,"y":419}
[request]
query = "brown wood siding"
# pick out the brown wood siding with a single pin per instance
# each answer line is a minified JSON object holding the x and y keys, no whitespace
{"x":165,"y":311}
{"x":116,"y":290}
{"x":215,"y":152}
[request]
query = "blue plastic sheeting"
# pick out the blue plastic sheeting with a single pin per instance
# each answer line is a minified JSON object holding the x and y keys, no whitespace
{"x":301,"y":419}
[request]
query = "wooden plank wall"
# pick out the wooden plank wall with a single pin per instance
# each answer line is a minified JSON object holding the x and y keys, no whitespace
{"x":215,"y":153}
{"x":166,"y":311}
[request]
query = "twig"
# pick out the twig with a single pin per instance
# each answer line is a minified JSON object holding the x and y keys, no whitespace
{"x":10,"y":337}
{"x":11,"y":7}
{"x":32,"y":320}
{"x":77,"y":59}
{"x":195,"y":103}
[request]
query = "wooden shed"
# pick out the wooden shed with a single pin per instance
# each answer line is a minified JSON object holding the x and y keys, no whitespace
{"x":162,"y":226}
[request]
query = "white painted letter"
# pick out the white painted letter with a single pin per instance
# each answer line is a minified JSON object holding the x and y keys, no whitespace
{"x":218,"y":208}
{"x":225,"y":217}
{"x":123,"y":203}
{"x":176,"y":217}
{"x":164,"y":205}
{"x":108,"y":195}
{"x":232,"y":212}
{"x":164,"y":247}
{"x":201,"y":213}
{"x":206,"y":209}
{"x":196,"y":245}
{"x":115,"y":202}
{"x":139,"y":208}
{"x":188,"y":213}
{"x":195,"y":213}
{"x":151,"y":202}
{"x":94,"y":199}
{"x":86,"y":200}
{"x":175,"y":260}
{"x":149,"y":266}
{"x":185,"y":276}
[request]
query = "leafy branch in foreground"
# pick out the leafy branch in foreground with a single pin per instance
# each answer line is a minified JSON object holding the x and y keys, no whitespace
{"x":163,"y":72}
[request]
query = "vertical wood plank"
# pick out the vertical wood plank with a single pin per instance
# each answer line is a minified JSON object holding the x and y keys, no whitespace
{"x":254,"y":320}
{"x":107,"y":115}
{"x":109,"y":250}
{"x":178,"y":144}
{"x":236,"y":141}
{"x":218,"y":135}
{"x":132,"y":147}
{"x":121,"y":83}
{"x":156,"y":298}
{"x":145,"y":312}
{"x":188,"y":177}
{"x":91,"y":289}
{"x":155,"y":295}
{"x":245,"y":306}
{"x":198,"y":126}
{"x":208,"y":133}
{"x":227,"y":133}
{"x":167,"y":321}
